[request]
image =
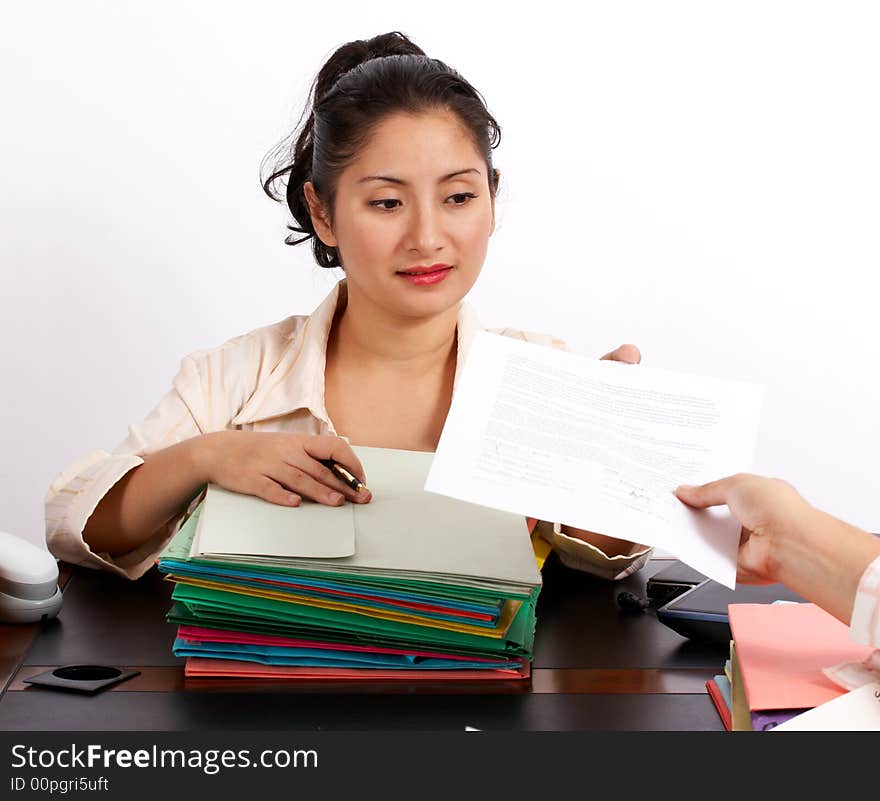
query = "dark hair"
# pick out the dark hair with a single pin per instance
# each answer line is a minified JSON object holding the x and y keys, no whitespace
{"x":361,"y":84}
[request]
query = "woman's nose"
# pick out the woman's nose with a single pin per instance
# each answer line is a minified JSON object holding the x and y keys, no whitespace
{"x":426,"y":231}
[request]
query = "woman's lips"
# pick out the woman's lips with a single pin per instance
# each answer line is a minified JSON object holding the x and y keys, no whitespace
{"x":426,"y":277}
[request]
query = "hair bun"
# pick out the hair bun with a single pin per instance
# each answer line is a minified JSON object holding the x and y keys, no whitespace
{"x":352,"y":54}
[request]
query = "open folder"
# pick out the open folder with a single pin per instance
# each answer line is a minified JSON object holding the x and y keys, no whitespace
{"x":442,"y":583}
{"x":403,"y":532}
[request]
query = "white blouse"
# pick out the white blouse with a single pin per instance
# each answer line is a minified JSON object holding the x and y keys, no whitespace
{"x":271,"y":379}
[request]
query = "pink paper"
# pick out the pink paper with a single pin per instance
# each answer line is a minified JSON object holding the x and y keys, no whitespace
{"x":782,"y":648}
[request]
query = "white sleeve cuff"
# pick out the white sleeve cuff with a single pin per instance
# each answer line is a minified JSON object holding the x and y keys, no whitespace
{"x":71,"y":500}
{"x":583,"y":556}
{"x":865,"y":622}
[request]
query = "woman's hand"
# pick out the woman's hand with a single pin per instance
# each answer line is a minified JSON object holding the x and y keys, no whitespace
{"x":281,"y":468}
{"x":628,"y":354}
{"x":770,"y":511}
{"x":786,"y":540}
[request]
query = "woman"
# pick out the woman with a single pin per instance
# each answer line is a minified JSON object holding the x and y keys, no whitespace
{"x":392,"y":179}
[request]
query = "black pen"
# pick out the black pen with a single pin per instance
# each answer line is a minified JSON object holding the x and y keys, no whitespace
{"x":343,"y":475}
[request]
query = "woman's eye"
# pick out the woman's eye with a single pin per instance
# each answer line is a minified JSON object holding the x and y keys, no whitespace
{"x":377,"y":203}
{"x":461,"y":198}
{"x":390,"y":203}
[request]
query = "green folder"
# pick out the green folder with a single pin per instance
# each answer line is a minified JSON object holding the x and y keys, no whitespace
{"x":181,"y":614}
{"x":204,"y":602}
{"x":407,"y":540}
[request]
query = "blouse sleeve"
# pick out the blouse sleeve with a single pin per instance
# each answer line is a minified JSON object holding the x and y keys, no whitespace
{"x":865,"y":622}
{"x":79,"y":488}
{"x":580,"y":555}
{"x":573,"y":552}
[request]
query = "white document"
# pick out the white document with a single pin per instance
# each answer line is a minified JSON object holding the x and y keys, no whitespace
{"x":598,"y":445}
{"x":857,"y":710}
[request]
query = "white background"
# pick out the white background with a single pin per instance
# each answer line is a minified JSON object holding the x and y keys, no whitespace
{"x":702,"y":179}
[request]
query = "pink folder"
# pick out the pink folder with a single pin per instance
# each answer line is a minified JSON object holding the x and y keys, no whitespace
{"x":782,"y":648}
{"x":199,"y":666}
{"x":196,"y":634}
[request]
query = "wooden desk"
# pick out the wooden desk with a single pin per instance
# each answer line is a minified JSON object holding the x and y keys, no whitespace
{"x":595,"y":668}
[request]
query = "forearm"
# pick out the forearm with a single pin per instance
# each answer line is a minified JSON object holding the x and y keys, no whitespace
{"x":147,"y":497}
{"x":823,"y":560}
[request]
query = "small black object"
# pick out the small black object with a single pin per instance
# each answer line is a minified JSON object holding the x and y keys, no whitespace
{"x":630,"y":602}
{"x":82,"y":678}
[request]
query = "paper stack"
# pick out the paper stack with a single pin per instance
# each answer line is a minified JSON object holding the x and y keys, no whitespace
{"x":412,"y":585}
{"x":777,"y":655}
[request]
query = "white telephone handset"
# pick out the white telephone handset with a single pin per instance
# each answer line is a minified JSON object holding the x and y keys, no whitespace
{"x":28,"y":581}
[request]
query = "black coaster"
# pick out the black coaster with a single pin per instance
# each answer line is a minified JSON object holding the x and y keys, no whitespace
{"x":82,"y":678}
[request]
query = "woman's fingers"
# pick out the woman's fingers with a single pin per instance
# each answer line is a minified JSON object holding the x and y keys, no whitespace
{"x":324,"y":475}
{"x":745,"y":576}
{"x":337,"y":449}
{"x":286,"y":468}
{"x":300,"y":482}
{"x":715,"y":493}
{"x":629,"y":354}
{"x":270,"y":490}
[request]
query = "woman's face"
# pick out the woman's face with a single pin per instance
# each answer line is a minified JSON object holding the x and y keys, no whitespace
{"x":413,"y":215}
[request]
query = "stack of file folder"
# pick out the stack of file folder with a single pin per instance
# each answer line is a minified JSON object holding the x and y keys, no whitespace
{"x":777,"y":656}
{"x":412,"y":585}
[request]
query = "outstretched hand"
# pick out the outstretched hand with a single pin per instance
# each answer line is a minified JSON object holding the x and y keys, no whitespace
{"x":766,"y":508}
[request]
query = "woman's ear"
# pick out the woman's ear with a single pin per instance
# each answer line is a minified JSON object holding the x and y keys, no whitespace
{"x":497,"y":174}
{"x":320,"y":215}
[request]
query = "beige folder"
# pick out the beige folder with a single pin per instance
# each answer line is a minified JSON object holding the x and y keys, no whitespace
{"x":404,"y":532}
